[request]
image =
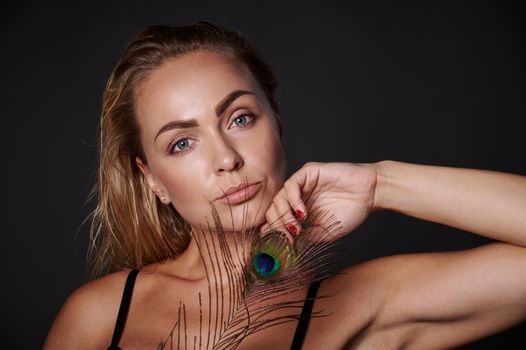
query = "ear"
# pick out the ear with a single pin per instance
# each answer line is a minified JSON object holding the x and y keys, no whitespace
{"x":152,"y":181}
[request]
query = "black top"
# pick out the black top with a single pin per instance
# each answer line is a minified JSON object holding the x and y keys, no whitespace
{"x":299,"y":335}
{"x":123,"y":310}
{"x":303,"y":324}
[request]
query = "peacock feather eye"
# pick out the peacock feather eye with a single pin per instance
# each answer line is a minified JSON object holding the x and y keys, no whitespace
{"x":265,"y":264}
{"x":270,"y":257}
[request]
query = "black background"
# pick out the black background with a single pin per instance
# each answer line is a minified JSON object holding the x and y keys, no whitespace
{"x":433,"y":82}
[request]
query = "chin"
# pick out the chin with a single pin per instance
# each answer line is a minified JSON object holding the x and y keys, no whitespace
{"x":242,"y":217}
{"x":239,"y":217}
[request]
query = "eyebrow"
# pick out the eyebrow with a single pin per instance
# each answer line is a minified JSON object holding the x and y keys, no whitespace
{"x":219,"y":110}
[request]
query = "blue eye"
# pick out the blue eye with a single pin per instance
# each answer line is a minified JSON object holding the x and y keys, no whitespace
{"x":181,"y":145}
{"x":243,"y":120}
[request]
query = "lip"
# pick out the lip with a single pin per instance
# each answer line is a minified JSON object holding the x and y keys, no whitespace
{"x":240,"y":193}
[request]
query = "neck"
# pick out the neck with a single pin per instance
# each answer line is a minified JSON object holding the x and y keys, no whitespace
{"x":212,"y":253}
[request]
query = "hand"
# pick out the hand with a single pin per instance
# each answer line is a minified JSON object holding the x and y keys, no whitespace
{"x":345,"y":190}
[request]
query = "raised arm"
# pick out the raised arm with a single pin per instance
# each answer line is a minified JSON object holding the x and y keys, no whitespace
{"x":426,"y":301}
{"x":488,"y":203}
{"x":444,"y":300}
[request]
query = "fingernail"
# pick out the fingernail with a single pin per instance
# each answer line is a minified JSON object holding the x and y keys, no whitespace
{"x":300,"y":214}
{"x":293,"y":230}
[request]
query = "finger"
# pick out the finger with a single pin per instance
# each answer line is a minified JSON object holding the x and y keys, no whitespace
{"x":293,"y":192}
{"x":274,"y":223}
{"x":284,"y":209}
{"x":306,"y":179}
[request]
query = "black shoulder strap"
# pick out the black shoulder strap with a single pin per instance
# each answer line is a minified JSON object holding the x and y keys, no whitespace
{"x":123,"y":310}
{"x":303,"y":323}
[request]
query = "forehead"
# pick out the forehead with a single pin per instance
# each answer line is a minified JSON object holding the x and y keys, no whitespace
{"x":191,"y":84}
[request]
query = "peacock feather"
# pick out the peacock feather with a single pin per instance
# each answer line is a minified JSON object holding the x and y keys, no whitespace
{"x":249,"y":281}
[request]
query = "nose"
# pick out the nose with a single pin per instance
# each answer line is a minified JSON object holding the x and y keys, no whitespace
{"x":226,"y":157}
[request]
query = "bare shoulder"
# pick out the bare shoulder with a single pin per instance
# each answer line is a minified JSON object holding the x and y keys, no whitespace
{"x":88,"y":316}
{"x":349,"y":303}
{"x":356,"y":299}
{"x":445,"y":299}
{"x":374,"y":285}
{"x":365,"y":284}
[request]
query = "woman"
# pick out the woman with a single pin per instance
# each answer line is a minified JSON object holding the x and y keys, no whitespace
{"x":190,"y":120}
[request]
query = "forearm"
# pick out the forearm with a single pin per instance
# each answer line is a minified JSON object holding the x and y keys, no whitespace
{"x":488,"y":203}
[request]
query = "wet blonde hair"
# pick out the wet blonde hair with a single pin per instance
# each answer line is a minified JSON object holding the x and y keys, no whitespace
{"x":130,"y":227}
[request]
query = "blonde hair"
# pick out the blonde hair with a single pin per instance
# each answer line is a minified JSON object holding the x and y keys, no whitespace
{"x":130,"y":227}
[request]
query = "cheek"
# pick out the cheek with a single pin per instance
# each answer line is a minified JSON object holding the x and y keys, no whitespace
{"x":184,"y":186}
{"x":266,"y":156}
{"x":187,"y":183}
{"x":273,"y":157}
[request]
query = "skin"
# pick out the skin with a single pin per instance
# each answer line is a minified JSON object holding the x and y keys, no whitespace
{"x":417,"y":301}
{"x":242,"y":144}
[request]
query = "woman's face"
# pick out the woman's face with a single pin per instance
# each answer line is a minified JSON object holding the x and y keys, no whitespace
{"x":207,"y":126}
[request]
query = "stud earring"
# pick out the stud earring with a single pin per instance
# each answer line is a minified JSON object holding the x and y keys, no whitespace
{"x":162,"y":197}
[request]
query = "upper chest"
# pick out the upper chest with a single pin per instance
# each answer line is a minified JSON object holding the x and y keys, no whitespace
{"x":207,"y":316}
{"x":201,"y":317}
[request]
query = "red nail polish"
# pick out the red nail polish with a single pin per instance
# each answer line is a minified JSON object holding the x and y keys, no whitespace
{"x":292,"y":230}
{"x":300,"y":214}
